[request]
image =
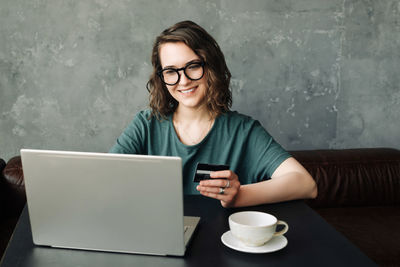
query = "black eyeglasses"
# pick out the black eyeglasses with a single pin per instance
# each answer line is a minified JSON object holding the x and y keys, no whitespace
{"x":193,"y":71}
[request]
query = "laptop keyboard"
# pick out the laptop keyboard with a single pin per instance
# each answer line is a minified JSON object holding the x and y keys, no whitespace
{"x":189,"y":226}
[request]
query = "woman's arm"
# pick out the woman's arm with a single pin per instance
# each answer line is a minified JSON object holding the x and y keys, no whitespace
{"x":289,"y":181}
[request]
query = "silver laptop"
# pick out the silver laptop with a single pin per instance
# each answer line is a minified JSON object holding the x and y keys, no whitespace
{"x":107,"y":202}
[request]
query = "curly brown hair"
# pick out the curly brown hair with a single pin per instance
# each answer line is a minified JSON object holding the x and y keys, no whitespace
{"x":219,"y":96}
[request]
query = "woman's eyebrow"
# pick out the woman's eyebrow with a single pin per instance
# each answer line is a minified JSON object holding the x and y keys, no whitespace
{"x":187,"y":63}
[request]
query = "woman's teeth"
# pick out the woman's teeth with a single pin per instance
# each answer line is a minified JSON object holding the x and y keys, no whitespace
{"x":187,"y":91}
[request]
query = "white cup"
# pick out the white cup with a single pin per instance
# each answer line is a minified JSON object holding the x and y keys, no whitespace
{"x":255,"y":228}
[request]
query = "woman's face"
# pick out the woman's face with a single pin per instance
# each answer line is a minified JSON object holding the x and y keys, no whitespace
{"x":188,"y":93}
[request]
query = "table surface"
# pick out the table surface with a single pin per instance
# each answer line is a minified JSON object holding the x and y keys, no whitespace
{"x":311,"y":242}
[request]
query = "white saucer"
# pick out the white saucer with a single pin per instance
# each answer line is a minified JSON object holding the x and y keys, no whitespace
{"x":276,"y":243}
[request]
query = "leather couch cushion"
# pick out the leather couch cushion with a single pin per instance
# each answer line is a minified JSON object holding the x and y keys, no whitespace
{"x":353,"y":177}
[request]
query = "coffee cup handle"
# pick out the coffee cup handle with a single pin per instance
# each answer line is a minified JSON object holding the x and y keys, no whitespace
{"x":284,"y":230}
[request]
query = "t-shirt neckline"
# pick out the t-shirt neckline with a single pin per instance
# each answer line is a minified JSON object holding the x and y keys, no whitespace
{"x":178,"y":141}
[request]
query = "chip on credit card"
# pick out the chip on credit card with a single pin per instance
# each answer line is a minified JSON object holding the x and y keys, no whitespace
{"x":203,"y":171}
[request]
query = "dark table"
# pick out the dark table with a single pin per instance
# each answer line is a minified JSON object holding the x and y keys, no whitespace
{"x":311,"y":242}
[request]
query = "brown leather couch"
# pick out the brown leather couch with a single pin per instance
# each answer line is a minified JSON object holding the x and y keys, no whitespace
{"x":12,"y":198}
{"x":359,"y":195}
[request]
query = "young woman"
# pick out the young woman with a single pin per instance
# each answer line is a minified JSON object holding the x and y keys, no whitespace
{"x":190,"y":117}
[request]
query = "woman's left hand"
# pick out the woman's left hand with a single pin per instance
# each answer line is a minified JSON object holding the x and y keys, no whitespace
{"x":223,"y":185}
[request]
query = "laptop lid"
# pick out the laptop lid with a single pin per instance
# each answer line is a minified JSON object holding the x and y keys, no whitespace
{"x":102,"y":201}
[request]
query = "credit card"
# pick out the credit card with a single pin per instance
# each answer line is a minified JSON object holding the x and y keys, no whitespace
{"x":203,"y":171}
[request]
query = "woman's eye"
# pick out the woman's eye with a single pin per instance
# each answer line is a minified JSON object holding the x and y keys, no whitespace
{"x":169,"y":72}
{"x":194,"y":66}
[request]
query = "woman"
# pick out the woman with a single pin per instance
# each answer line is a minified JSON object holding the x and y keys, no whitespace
{"x":190,"y":117}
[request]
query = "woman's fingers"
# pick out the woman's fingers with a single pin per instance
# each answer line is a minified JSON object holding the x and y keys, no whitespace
{"x":214,"y":190}
{"x":226,"y":181}
{"x":224,"y":189}
{"x":214,"y":183}
{"x":228,"y":174}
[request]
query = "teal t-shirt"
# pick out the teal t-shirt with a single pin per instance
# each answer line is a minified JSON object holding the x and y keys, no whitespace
{"x":235,"y":140}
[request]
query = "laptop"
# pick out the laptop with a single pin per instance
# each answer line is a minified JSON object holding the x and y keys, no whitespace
{"x":107,"y":202}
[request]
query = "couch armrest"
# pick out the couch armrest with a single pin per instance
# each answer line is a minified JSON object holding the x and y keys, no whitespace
{"x":2,"y":165}
{"x":2,"y":185}
{"x":353,"y":177}
{"x":12,"y":187}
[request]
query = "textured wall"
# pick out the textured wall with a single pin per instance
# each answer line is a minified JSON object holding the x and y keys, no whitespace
{"x":317,"y":74}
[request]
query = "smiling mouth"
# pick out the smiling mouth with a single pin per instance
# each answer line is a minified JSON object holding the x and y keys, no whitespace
{"x":188,"y":90}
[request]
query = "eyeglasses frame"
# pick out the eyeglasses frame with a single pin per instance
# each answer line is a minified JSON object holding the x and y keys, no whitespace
{"x":201,"y":63}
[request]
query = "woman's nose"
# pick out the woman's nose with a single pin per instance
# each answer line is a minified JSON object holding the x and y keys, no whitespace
{"x":184,"y":79}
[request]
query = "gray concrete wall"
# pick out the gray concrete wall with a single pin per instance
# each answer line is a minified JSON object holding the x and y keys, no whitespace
{"x":317,"y":74}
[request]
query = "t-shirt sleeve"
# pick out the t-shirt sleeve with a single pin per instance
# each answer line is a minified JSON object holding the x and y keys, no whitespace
{"x":265,"y":154}
{"x":131,"y":141}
